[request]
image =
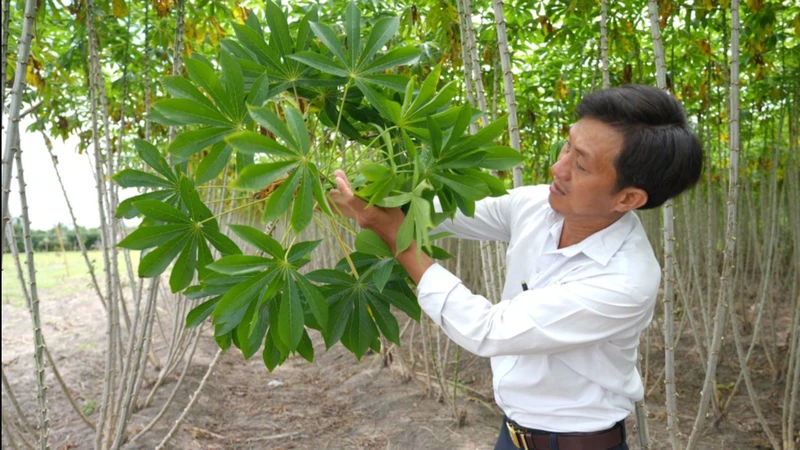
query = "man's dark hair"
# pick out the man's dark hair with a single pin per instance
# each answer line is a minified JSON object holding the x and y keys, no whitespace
{"x":660,"y":154}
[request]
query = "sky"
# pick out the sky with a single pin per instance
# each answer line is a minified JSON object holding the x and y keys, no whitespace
{"x":46,"y":205}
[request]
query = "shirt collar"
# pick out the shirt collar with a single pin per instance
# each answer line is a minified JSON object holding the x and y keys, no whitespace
{"x":600,"y":246}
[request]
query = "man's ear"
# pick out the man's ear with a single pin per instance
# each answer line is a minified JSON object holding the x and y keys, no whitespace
{"x":630,"y":198}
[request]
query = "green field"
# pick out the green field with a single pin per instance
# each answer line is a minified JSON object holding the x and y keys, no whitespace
{"x":57,"y":274}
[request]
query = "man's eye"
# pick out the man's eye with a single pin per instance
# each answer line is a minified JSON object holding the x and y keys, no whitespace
{"x":579,"y":166}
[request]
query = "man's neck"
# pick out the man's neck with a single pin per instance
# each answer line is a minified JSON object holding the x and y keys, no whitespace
{"x":576,"y":230}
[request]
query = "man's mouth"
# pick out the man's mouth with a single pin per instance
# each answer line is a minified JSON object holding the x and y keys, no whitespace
{"x":555,"y":189}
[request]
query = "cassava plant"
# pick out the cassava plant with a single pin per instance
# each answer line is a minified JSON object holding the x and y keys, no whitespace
{"x":276,"y":107}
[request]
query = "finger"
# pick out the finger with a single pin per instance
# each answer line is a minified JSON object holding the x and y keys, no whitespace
{"x":343,"y":185}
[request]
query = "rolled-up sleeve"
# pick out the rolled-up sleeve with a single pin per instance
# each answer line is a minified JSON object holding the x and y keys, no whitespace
{"x":555,"y":318}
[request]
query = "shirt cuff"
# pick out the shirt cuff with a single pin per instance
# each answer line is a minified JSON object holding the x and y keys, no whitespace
{"x":432,"y":291}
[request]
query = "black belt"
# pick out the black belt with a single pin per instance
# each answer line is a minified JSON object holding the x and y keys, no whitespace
{"x":527,"y":439}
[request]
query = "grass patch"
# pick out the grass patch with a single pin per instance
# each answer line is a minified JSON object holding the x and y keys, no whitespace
{"x":64,"y":273}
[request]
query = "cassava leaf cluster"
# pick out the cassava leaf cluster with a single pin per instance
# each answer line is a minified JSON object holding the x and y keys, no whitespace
{"x":272,"y":106}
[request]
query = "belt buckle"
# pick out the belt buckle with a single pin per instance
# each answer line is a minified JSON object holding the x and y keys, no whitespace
{"x":516,"y":437}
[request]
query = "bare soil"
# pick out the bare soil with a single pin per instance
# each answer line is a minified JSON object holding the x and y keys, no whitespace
{"x":335,"y":403}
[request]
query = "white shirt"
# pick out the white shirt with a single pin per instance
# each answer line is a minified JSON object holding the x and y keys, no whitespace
{"x":563,"y":353}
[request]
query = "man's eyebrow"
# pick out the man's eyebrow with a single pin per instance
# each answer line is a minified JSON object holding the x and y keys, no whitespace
{"x":582,"y":153}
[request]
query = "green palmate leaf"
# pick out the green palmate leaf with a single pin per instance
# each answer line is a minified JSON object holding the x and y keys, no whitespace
{"x":250,"y":332}
{"x":145,"y":237}
{"x":152,"y":157}
{"x":427,"y":90}
{"x":204,"y":258}
{"x":404,"y":301}
{"x":304,"y":29}
{"x":237,"y":50}
{"x":375,"y":172}
{"x":367,"y":241}
{"x":320,"y":62}
{"x":395,"y":201}
{"x":291,"y":315}
{"x":435,"y":137}
{"x":240,"y":264}
{"x":136,"y":178}
{"x":328,"y":276}
{"x":190,"y":142}
{"x":405,"y":234}
{"x":198,"y":210}
{"x":204,"y":76}
{"x":223,"y":340}
{"x":234,"y":83}
{"x":214,"y":163}
{"x":382,"y":31}
{"x":486,"y":135}
{"x":300,"y":250}
{"x":397,"y":57}
{"x":127,"y":210}
{"x":353,"y":32}
{"x":221,"y":242}
{"x":259,"y":91}
{"x":341,"y":308}
{"x":471,"y":188}
{"x":325,"y":34}
{"x":179,"y":87}
{"x":201,"y":312}
{"x":306,"y":348}
{"x":259,"y":176}
{"x":381,"y":273}
{"x":279,"y":28}
{"x":313,"y":298}
{"x":383,"y":318}
{"x":316,"y":186}
{"x":274,"y":124}
{"x":303,"y":207}
{"x":185,"y":265}
{"x":255,"y":43}
{"x":501,"y":158}
{"x":463,"y":161}
{"x":162,"y":212}
{"x":272,"y":355}
{"x":279,"y":201}
{"x":188,"y":112}
{"x":231,"y":308}
{"x":386,"y":107}
{"x":297,"y":126}
{"x":360,"y":331}
{"x":396,"y":83}
{"x":463,"y":120}
{"x":259,"y":240}
{"x":252,"y":143}
{"x":495,"y":185}
{"x":156,"y":262}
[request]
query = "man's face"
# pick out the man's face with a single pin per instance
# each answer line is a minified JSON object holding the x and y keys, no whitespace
{"x":584,"y":177}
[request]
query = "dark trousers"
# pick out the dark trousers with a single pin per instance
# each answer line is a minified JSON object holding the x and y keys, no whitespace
{"x":504,"y":440}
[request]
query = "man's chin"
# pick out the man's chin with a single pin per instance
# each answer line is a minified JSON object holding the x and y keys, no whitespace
{"x":554,"y":201}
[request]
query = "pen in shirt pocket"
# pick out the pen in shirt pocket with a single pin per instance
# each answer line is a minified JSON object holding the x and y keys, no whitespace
{"x":524,"y":286}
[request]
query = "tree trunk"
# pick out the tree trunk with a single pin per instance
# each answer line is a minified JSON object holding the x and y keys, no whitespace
{"x":726,"y":288}
{"x":508,"y":83}
{"x":12,"y":129}
{"x":669,"y":257}
{"x":4,"y":61}
{"x":38,"y":339}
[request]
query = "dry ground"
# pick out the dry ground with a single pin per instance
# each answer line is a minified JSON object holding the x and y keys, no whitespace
{"x":335,"y":403}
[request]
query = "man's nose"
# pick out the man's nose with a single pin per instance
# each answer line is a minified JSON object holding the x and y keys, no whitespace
{"x":560,"y":169}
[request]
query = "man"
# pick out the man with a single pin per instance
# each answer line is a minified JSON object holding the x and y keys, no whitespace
{"x":563,"y":344}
